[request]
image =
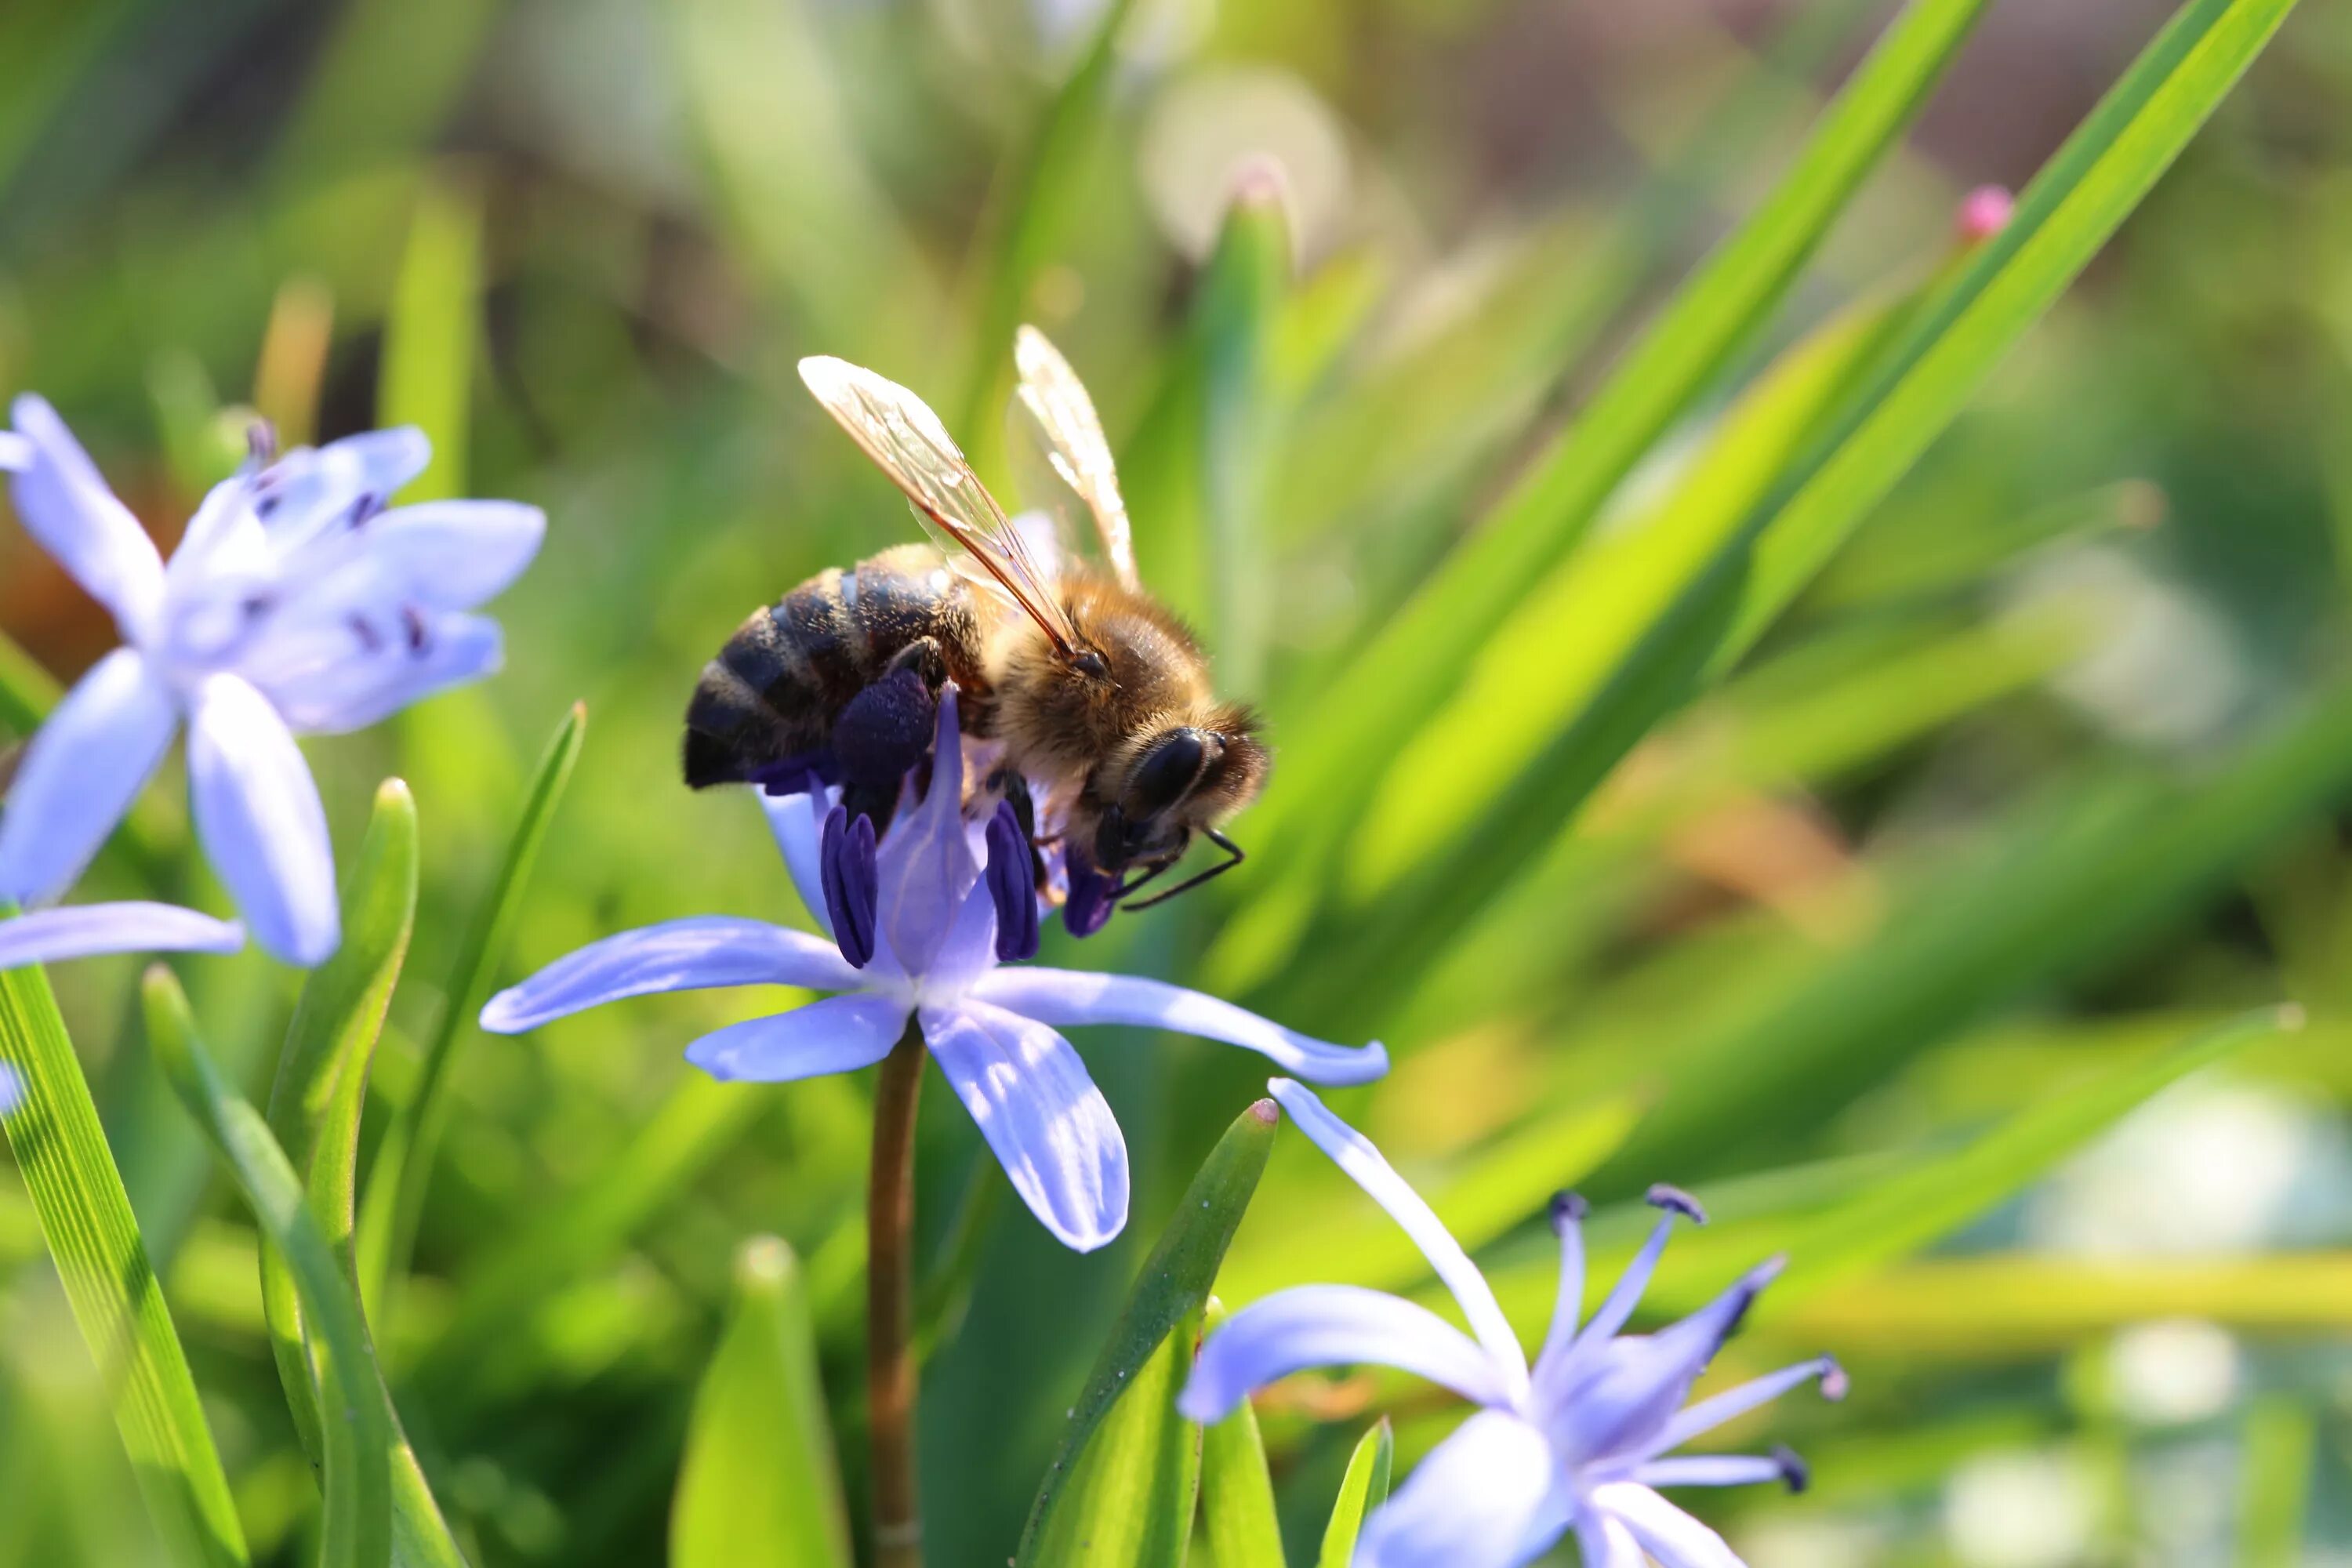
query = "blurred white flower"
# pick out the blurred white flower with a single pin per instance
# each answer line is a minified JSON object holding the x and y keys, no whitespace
{"x":2021,"y":1510}
{"x":2172,"y":1373}
{"x":2207,"y":1167}
{"x":1813,"y":1542}
{"x":2161,"y":668}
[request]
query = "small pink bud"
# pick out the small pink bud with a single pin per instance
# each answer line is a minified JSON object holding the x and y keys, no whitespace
{"x":1984,"y":212}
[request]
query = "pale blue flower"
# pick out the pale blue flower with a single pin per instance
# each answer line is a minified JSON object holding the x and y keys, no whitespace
{"x":1579,"y":1442}
{"x":296,"y":603}
{"x":919,"y":931}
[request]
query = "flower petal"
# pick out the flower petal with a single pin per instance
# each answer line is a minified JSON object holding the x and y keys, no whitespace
{"x":838,"y":1034}
{"x":84,"y":930}
{"x":1048,"y":1122}
{"x":1622,"y":1397}
{"x":1072,"y":996}
{"x":1353,"y":1153}
{"x":440,"y":555}
{"x":67,"y":508}
{"x":332,"y":682}
{"x":257,"y":812}
{"x":1663,"y":1530}
{"x":1604,"y":1543}
{"x":1482,"y":1498}
{"x":1336,"y":1325}
{"x":80,"y":773}
{"x":16,"y":452}
{"x":313,"y":491}
{"x":797,"y":822}
{"x":698,"y":954}
{"x":926,"y":864}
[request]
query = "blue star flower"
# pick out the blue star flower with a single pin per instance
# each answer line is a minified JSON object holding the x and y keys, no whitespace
{"x":922,"y":925}
{"x":295,"y":602}
{"x":1580,"y":1442}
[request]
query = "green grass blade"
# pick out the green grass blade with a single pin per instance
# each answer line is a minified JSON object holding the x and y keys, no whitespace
{"x":403,"y":1169}
{"x":1037,"y":201}
{"x":1363,"y":1488}
{"x":355,"y":1437}
{"x":322,"y":1081}
{"x":760,"y":1486}
{"x":1171,"y":1288}
{"x":1237,"y":1488}
{"x":429,"y":335}
{"x":84,"y":1214}
{"x":1420,"y":652}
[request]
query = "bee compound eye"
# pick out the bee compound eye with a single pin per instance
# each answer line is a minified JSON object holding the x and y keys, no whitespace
{"x":1168,"y":771}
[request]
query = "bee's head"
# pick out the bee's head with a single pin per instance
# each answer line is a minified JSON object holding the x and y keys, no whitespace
{"x":1174,"y":782}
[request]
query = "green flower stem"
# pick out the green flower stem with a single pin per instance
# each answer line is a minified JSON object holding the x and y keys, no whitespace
{"x":890,"y":1366}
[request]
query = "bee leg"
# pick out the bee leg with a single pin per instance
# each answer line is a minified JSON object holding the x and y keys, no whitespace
{"x":926,"y":657}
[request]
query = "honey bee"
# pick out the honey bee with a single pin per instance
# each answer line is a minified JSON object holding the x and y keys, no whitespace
{"x":1098,"y":696}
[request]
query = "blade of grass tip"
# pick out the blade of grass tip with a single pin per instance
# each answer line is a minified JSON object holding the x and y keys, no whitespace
{"x":1417,"y":656}
{"x":78,"y":1196}
{"x":758,"y":1486}
{"x":402,"y":1171}
{"x":322,"y":1081}
{"x":1242,"y":293}
{"x":430,"y":333}
{"x":1172,"y":1286}
{"x":1236,"y":1487}
{"x":1363,"y":1488}
{"x":1031,"y":211}
{"x":356,"y":1441}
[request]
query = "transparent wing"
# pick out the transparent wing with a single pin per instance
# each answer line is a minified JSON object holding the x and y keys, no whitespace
{"x":1063,"y":418}
{"x":907,"y":441}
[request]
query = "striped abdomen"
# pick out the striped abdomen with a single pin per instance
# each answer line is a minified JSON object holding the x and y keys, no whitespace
{"x":774,"y":690}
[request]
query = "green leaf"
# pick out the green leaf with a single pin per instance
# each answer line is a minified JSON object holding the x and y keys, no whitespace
{"x":315,"y":1105}
{"x":85,"y":1217}
{"x":760,"y":1486}
{"x":322,"y":1074}
{"x":402,"y":1171}
{"x":1363,"y":1488}
{"x":355,"y":1437}
{"x":430,"y":334}
{"x":1237,"y":1488}
{"x":1173,"y":1287}
{"x":1129,"y":1501}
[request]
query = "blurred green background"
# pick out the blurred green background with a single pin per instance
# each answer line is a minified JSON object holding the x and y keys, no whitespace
{"x":1872,"y":941}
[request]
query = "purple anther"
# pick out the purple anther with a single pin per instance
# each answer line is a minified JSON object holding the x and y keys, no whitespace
{"x":1012,"y":886}
{"x":1092,"y":897}
{"x":1676,"y":1200}
{"x":853,"y":888}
